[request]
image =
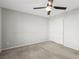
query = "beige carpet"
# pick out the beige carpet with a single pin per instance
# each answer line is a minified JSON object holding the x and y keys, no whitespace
{"x":44,"y":50}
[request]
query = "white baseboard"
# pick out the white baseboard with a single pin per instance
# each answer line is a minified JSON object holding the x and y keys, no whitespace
{"x":32,"y":44}
{"x":14,"y":47}
{"x":20,"y":46}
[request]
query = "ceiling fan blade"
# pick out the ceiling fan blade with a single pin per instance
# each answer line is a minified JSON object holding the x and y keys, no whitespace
{"x":49,"y":12}
{"x":58,"y":7}
{"x":39,"y":7}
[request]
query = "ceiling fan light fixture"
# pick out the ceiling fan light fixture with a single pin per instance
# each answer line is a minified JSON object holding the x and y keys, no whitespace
{"x":49,"y":8}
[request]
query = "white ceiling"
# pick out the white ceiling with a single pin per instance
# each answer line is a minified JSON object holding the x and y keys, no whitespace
{"x":28,"y":5}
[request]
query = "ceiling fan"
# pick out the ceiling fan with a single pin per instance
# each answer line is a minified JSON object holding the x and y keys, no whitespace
{"x":49,"y":7}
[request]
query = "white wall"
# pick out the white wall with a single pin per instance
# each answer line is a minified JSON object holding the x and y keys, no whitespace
{"x":22,"y":29}
{"x":0,"y":29}
{"x":56,"y":29}
{"x":64,"y":29}
{"x":71,"y":29}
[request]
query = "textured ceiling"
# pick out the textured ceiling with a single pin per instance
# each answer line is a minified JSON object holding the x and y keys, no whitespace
{"x":27,"y":6}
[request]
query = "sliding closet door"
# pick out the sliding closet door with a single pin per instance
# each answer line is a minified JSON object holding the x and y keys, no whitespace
{"x":71,"y":30}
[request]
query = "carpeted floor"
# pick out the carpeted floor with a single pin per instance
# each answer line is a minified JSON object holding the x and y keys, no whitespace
{"x":44,"y":50}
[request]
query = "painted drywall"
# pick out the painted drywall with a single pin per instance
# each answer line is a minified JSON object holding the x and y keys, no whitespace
{"x":22,"y":29}
{"x":56,"y":29}
{"x":64,"y":29}
{"x":0,"y":29}
{"x":71,"y":29}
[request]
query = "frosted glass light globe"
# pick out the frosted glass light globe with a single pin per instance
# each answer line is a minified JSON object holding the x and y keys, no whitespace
{"x":48,"y":8}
